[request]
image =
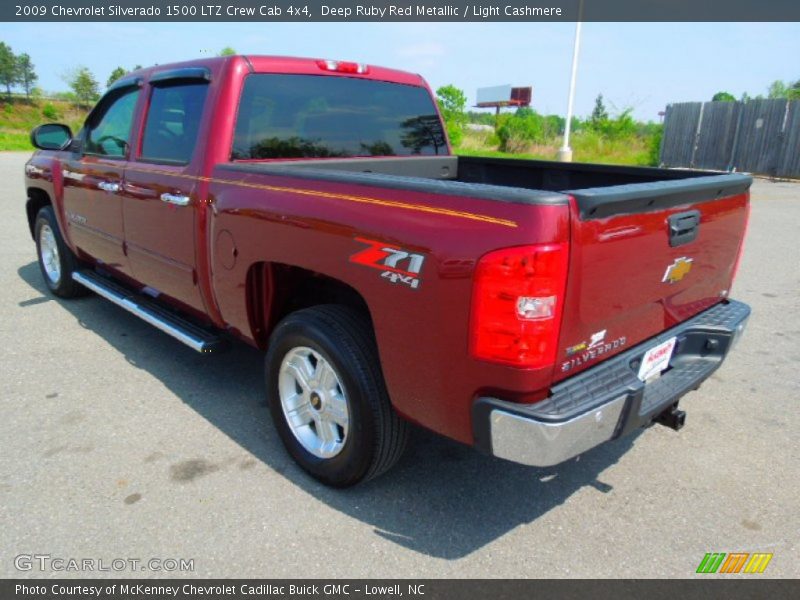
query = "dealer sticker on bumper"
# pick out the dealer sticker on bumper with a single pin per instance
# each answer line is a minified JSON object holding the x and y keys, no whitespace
{"x":656,"y":359}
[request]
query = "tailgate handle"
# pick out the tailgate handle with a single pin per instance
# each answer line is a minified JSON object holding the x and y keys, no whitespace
{"x":683,"y":227}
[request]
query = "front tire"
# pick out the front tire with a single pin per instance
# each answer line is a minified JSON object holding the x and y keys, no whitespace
{"x":328,"y":398}
{"x":56,"y":261}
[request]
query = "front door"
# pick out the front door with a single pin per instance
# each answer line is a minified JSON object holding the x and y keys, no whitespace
{"x":93,"y":180}
{"x":160,"y":201}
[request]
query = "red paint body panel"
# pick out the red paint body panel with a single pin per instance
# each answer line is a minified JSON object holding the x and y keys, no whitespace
{"x":422,"y":333}
{"x":202,"y":256}
{"x":102,"y":237}
{"x":617,"y":266}
{"x":165,"y":262}
{"x":305,"y":66}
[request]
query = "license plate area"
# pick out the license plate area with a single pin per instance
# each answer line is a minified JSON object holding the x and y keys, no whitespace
{"x":656,"y":360}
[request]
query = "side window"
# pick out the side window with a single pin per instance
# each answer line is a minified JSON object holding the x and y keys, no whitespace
{"x":109,"y":135}
{"x":173,"y":120}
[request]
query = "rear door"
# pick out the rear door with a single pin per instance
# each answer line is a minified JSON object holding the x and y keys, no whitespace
{"x":93,"y":179}
{"x":644,"y":258}
{"x":160,"y":191}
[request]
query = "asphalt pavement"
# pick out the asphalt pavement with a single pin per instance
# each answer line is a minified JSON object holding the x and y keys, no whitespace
{"x":118,"y":442}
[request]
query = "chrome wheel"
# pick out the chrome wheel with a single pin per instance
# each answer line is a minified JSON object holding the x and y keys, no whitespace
{"x":48,"y":250}
{"x":314,"y":402}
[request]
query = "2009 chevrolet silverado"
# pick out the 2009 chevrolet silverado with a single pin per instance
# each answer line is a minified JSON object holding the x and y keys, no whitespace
{"x":312,"y":208}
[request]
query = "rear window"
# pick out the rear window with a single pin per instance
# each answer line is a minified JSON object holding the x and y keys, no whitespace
{"x":311,"y":116}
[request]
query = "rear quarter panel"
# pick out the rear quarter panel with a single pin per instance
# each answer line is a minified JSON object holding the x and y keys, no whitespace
{"x":422,"y":334}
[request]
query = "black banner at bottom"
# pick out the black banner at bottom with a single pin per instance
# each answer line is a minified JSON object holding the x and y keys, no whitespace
{"x":427,"y":589}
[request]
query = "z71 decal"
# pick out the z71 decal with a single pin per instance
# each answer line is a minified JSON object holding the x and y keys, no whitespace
{"x":398,"y":265}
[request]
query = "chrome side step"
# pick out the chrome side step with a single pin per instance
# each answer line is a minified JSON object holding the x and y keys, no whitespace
{"x":197,"y":338}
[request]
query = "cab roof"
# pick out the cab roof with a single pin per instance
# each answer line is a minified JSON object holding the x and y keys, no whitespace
{"x":293,"y":65}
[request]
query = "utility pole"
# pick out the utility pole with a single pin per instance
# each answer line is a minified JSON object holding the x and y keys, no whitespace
{"x":565,"y":152}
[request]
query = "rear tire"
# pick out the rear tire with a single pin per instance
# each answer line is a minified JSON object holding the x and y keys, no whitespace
{"x":328,"y":398}
{"x":56,"y":261}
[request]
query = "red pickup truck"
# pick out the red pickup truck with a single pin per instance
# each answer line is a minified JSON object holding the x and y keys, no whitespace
{"x":313,"y":209}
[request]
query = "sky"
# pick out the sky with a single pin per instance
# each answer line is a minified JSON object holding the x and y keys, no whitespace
{"x":643,"y":66}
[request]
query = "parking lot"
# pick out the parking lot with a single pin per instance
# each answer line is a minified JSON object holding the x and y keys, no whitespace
{"x":119,"y":442}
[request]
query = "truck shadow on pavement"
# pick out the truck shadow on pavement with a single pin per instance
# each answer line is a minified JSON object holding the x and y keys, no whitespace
{"x":443,"y":499}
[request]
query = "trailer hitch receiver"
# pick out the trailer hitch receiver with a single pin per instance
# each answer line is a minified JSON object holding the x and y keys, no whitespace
{"x":673,"y":417}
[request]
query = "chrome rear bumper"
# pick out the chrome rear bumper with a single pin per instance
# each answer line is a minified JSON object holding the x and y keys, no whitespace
{"x":608,"y":400}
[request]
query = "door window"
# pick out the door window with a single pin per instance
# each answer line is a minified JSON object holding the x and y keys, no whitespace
{"x":173,"y":120}
{"x":109,"y":134}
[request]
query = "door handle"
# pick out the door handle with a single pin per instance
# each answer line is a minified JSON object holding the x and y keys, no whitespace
{"x":109,"y":186}
{"x":176,"y":199}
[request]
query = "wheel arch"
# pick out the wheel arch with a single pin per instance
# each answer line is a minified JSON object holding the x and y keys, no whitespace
{"x":37,"y":200}
{"x":274,"y":290}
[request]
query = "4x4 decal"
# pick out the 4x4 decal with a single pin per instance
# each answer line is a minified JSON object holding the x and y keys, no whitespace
{"x":397,"y":265}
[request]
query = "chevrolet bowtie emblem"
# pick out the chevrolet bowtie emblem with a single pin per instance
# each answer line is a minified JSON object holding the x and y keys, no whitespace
{"x":677,"y":270}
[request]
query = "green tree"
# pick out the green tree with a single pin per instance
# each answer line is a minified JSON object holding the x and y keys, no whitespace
{"x":777,"y":89}
{"x":115,"y":74}
{"x":518,"y":131}
{"x":723,"y":97}
{"x":654,"y":145}
{"x":482,"y":118}
{"x":26,"y":73}
{"x":623,"y":126}
{"x":793,"y":93}
{"x":782,"y":89}
{"x":9,"y":69}
{"x":49,"y":112}
{"x":599,"y":113}
{"x":227,"y":51}
{"x":84,"y":85}
{"x":453,"y":103}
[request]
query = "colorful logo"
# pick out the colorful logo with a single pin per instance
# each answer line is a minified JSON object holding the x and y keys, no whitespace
{"x":677,"y":270}
{"x":398,"y":265}
{"x":734,"y":562}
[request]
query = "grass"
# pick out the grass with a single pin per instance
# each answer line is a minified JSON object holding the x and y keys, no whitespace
{"x":12,"y":140}
{"x":18,"y":116}
{"x":587,"y":147}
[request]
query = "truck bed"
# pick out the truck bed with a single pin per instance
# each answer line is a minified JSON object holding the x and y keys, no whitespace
{"x":600,"y":190}
{"x":531,"y":174}
{"x":630,"y":228}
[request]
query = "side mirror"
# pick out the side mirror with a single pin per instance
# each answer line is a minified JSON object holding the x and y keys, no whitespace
{"x":52,"y":136}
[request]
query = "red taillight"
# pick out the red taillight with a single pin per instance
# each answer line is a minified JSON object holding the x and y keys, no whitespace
{"x":517,"y":297}
{"x":340,"y":66}
{"x":741,"y":244}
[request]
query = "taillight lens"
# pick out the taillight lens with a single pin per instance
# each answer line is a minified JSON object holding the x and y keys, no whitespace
{"x":517,"y":298}
{"x":340,"y":66}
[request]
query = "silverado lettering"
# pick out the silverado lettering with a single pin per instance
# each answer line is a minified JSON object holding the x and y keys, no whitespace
{"x":299,"y":205}
{"x":591,"y":354}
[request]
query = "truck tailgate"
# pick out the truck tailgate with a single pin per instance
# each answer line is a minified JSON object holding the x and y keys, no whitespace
{"x":645,"y":257}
